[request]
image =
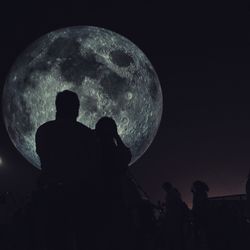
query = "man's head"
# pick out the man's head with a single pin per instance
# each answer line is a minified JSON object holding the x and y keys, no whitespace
{"x":67,"y":105}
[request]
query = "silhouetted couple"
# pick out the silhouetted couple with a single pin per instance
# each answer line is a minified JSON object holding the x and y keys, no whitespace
{"x":82,"y":172}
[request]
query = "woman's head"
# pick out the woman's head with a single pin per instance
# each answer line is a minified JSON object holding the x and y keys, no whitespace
{"x":106,"y":126}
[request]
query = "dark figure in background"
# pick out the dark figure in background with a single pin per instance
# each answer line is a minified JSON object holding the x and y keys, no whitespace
{"x":176,"y":219}
{"x":200,"y":195}
{"x":247,"y":210}
{"x":200,"y":212}
{"x":115,"y":158}
{"x":246,"y":223}
{"x":67,"y":150}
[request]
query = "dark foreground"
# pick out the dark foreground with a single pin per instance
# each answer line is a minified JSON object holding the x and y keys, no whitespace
{"x":54,"y":219}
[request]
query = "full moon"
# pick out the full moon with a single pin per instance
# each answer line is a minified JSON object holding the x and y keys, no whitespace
{"x":110,"y":74}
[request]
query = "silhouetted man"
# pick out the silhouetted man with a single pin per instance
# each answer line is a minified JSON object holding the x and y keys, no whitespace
{"x":65,"y":146}
{"x":67,"y":150}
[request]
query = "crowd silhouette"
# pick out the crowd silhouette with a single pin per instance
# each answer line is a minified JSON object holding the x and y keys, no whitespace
{"x":86,"y":198}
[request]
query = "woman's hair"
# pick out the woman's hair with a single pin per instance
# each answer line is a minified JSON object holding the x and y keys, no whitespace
{"x":106,"y":125}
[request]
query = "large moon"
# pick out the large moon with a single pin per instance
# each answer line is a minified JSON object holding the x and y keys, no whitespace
{"x":110,"y":74}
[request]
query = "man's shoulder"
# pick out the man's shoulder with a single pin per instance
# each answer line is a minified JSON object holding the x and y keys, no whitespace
{"x":83,"y":128}
{"x":81,"y":125}
{"x":48,"y":124}
{"x":45,"y":127}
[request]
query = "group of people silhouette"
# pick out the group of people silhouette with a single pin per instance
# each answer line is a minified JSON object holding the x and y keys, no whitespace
{"x":83,"y":171}
{"x":86,"y":198}
{"x":210,"y":224}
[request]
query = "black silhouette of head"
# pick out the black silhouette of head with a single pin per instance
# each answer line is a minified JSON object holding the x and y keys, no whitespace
{"x":67,"y":105}
{"x":106,"y":126}
{"x":199,"y":187}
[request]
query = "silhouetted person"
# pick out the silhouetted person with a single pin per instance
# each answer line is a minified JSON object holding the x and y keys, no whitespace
{"x":246,"y":219}
{"x":67,"y":151}
{"x":200,"y":211}
{"x":172,"y":194}
{"x":115,"y":157}
{"x":65,"y":146}
{"x":176,"y":218}
{"x":247,"y":211}
{"x":200,"y":194}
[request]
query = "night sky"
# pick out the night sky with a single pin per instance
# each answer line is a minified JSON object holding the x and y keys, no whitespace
{"x":201,"y":55}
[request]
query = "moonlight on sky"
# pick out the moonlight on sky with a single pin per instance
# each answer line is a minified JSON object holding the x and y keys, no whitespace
{"x":111,"y":76}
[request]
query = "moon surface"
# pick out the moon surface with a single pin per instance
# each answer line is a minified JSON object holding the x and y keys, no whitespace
{"x":110,"y":74}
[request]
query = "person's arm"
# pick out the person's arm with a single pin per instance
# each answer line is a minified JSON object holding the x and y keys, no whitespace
{"x":127,"y":156}
{"x":119,"y":140}
{"x":41,"y":146}
{"x":39,"y":150}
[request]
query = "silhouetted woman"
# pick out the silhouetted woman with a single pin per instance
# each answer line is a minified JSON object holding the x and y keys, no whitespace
{"x":115,"y":157}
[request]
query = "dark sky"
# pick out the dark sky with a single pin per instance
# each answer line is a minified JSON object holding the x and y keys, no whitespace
{"x":201,"y":55}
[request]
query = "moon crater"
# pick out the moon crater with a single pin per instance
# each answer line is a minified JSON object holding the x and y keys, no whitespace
{"x":120,"y":58}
